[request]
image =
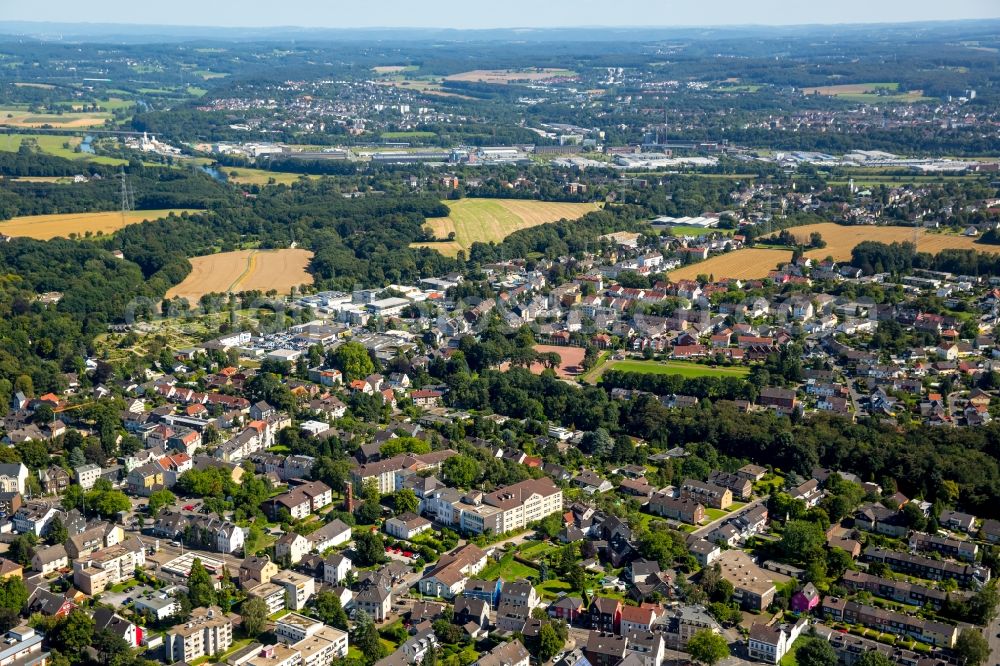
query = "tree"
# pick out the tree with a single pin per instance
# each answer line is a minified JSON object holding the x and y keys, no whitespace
{"x":802,"y":541}
{"x":112,"y":648}
{"x":707,"y":647}
{"x":549,"y":642}
{"x":352,"y":359}
{"x":430,"y":657}
{"x":72,"y":497}
{"x":201,"y":591}
{"x":108,"y":502}
{"x":972,"y":648}
{"x":460,"y":470}
{"x":159,"y":499}
{"x":816,"y":652}
{"x":22,"y":548}
{"x":57,"y":532}
{"x":330,"y":610}
{"x":13,"y":594}
{"x":367,"y":639}
{"x":405,"y":501}
{"x":370,"y":548}
{"x":73,"y":635}
{"x":874,"y":658}
{"x":983,"y":604}
{"x":254,"y":614}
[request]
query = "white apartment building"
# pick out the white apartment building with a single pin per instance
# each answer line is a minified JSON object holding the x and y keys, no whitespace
{"x":209,"y":631}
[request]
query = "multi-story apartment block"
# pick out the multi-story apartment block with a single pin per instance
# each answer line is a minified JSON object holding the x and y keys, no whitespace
{"x":208,"y":632}
{"x":103,"y":568}
{"x":389,"y":474}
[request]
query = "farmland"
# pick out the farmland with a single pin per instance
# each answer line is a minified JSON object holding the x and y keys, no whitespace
{"x":21,"y":116}
{"x":746,"y":264}
{"x":868,"y":92}
{"x":492,"y":220}
{"x":244,"y":270}
{"x":45,"y":227}
{"x":840,"y":240}
{"x":751,"y":263}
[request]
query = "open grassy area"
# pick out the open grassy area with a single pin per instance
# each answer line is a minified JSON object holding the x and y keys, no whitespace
{"x":58,"y":146}
{"x":492,"y":220}
{"x":508,"y":569}
{"x":683,"y":368}
{"x":535,"y":550}
{"x":247,"y":176}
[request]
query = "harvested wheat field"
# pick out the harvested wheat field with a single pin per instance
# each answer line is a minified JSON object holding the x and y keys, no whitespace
{"x":747,"y":264}
{"x":492,"y":220}
{"x":46,"y":227}
{"x":244,"y":270}
{"x":840,"y":240}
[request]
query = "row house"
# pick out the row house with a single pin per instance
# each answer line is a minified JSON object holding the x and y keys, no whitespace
{"x":928,"y":631}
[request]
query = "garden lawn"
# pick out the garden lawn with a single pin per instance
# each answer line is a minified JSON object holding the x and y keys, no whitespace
{"x":507,"y":569}
{"x":714,"y":514}
{"x":553,"y":589}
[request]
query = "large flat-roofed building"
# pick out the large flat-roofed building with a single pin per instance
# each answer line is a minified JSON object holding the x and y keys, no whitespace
{"x":23,"y":647}
{"x":209,"y":631}
{"x":753,"y":586}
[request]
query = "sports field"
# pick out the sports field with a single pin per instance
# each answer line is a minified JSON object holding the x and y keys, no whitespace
{"x":244,"y":270}
{"x":746,"y":264}
{"x":492,"y":220}
{"x":682,"y":368}
{"x":44,"y":227}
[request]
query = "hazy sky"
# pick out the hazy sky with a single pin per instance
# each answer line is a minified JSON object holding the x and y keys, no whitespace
{"x":493,"y":14}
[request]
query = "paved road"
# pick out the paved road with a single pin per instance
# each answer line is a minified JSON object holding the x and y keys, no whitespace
{"x":991,"y":632}
{"x":702,"y":531}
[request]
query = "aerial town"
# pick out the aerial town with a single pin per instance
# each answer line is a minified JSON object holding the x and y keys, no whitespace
{"x":556,"y":349}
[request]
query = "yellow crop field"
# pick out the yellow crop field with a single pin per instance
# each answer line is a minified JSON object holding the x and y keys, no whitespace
{"x":746,"y":264}
{"x":840,"y":240}
{"x":45,"y":227}
{"x":492,"y":220}
{"x":244,"y":270}
{"x":10,"y":117}
{"x":750,"y":263}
